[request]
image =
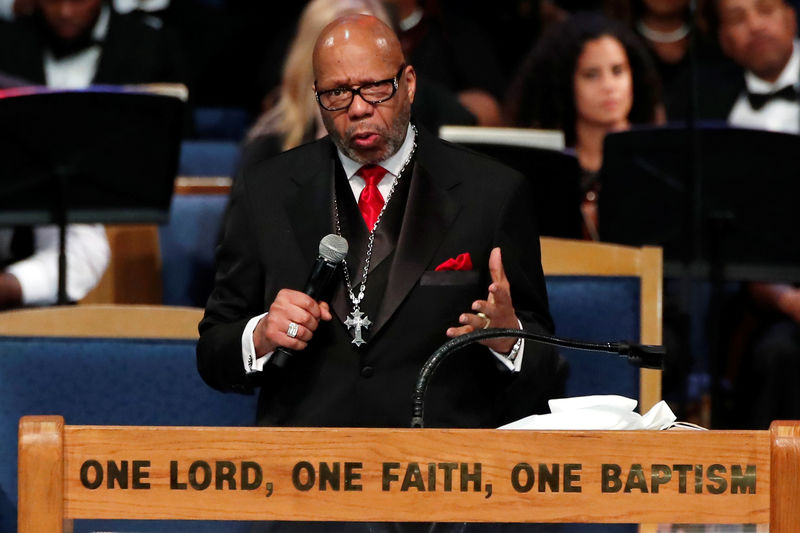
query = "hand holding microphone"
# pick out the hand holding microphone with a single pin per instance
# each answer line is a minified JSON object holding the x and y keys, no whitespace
{"x":294,"y":316}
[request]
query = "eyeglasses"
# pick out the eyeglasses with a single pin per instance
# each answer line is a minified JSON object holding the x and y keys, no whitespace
{"x":372,"y":93}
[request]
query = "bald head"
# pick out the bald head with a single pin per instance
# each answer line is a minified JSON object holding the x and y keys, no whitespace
{"x":363,"y":32}
{"x":360,"y":53}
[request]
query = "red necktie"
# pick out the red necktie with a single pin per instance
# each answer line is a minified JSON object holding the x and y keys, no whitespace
{"x":371,"y":202}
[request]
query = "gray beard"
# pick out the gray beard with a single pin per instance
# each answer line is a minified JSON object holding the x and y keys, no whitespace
{"x":394,"y":136}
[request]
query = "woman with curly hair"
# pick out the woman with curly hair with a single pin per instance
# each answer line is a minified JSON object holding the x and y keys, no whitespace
{"x":587,"y":76}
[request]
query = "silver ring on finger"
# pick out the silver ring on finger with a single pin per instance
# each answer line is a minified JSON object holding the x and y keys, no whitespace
{"x":486,"y":318}
{"x":292,"y":330}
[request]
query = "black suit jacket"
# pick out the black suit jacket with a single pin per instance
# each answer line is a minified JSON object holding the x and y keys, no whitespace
{"x":457,"y":201}
{"x":133,"y":52}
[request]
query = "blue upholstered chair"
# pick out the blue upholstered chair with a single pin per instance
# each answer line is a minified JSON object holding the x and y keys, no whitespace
{"x":605,"y":292}
{"x":173,"y":264}
{"x":208,"y":158}
{"x":109,"y":365}
{"x":187,"y":244}
{"x":188,"y":240}
{"x":221,"y":123}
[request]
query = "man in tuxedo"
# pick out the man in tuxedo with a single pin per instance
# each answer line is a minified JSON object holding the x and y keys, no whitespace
{"x":74,"y":43}
{"x":71,"y":44}
{"x":761,"y":36}
{"x":453,"y":248}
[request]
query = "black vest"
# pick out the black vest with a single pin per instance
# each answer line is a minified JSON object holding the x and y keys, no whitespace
{"x":354,"y":229}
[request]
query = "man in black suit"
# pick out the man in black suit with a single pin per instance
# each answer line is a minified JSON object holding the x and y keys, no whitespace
{"x":443,"y":206}
{"x":758,"y":88}
{"x":72,"y":43}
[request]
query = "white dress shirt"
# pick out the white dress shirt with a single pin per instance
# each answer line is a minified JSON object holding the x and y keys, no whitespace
{"x":77,"y":71}
{"x":7,"y":9}
{"x":126,"y":6}
{"x":777,"y":114}
{"x":393,"y":166}
{"x":87,"y":258}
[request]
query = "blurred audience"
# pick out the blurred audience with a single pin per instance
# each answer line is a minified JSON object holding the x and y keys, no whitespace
{"x":71,"y":44}
{"x":665,"y":26}
{"x":453,"y":51}
{"x":29,"y":261}
{"x":590,"y":76}
{"x":295,"y":119}
{"x":74,"y":43}
{"x":222,"y":42}
{"x":761,"y":36}
{"x":587,"y":77}
{"x":513,"y":26}
{"x":15,"y":8}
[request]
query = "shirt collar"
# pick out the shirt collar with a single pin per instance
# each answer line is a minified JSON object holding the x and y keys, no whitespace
{"x":393,"y":164}
{"x":126,"y":6}
{"x":789,"y":76}
{"x":411,"y":20}
{"x":101,"y":26}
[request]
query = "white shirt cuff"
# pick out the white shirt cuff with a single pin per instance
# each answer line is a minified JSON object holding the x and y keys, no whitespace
{"x":516,"y":364}
{"x":252,"y":364}
{"x":88,"y":255}
{"x":7,"y":9}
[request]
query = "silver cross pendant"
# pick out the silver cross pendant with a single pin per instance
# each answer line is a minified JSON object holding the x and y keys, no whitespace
{"x":356,"y":321}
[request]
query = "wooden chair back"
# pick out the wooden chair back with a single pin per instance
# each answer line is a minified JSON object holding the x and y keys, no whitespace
{"x":565,"y":257}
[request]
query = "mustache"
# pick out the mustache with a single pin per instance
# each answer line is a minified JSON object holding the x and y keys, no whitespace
{"x":362,"y":128}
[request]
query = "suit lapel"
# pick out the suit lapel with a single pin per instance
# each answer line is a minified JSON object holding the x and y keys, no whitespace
{"x":108,"y":64}
{"x":430,"y":213}
{"x":308,"y":210}
{"x":431,"y":209}
{"x":31,"y":55}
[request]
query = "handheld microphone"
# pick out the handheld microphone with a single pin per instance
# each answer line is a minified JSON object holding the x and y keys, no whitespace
{"x":332,"y":251}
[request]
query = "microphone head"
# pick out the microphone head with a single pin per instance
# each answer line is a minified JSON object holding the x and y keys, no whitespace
{"x":333,"y":248}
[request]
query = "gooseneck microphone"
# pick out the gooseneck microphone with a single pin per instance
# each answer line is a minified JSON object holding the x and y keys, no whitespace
{"x":641,"y":355}
{"x":332,"y":251}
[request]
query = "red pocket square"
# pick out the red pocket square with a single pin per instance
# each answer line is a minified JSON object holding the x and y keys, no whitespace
{"x":462,"y":262}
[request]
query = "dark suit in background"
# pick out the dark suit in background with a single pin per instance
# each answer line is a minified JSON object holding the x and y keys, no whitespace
{"x":449,"y":201}
{"x":132,"y":52}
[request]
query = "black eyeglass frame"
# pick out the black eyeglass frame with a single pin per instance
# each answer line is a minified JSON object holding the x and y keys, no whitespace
{"x":357,"y":91}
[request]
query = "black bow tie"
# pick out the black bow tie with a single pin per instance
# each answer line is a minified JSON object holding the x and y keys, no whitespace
{"x":759,"y":100}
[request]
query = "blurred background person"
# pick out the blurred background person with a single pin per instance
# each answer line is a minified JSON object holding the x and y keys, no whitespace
{"x":14,"y":8}
{"x":666,"y":26}
{"x":762,"y":362}
{"x":761,"y":38}
{"x":590,"y":76}
{"x":75,"y":43}
{"x":71,"y":44}
{"x":587,"y":76}
{"x":29,"y":263}
{"x":452,"y":50}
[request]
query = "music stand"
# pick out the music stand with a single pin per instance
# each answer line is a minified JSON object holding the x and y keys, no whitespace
{"x":719,"y":200}
{"x":100,"y":155}
{"x":736,"y":218}
{"x":553,"y":174}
